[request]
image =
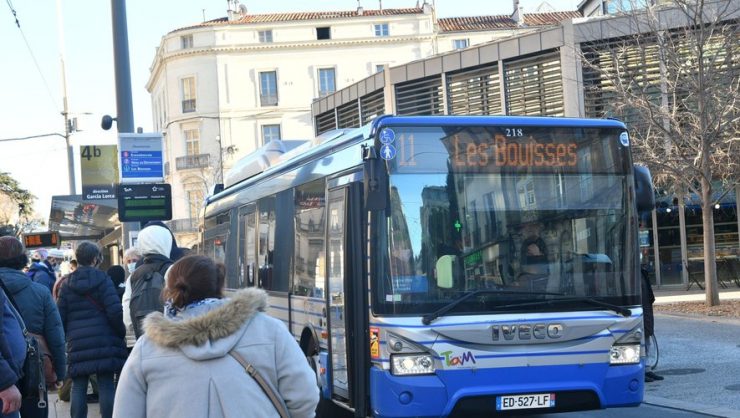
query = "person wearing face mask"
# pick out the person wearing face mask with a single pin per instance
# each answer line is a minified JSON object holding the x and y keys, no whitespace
{"x":131,"y":258}
{"x":56,"y":258}
{"x":41,"y":270}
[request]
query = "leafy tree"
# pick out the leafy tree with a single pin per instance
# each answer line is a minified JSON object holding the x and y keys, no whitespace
{"x":672,"y":73}
{"x":14,"y":200}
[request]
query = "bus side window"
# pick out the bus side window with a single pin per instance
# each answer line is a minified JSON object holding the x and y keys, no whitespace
{"x":309,"y":274}
{"x":247,"y":249}
{"x":266,"y":242}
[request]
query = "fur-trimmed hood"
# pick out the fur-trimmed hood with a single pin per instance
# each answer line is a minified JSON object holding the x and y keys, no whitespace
{"x":210,"y":331}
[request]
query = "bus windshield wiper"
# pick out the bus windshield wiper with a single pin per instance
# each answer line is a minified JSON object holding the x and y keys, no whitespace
{"x":591,"y":301}
{"x":427,"y":319}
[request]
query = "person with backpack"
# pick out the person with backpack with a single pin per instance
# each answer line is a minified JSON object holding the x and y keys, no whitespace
{"x":39,"y":313}
{"x":147,"y":281}
{"x":93,"y":322}
{"x":41,"y":270}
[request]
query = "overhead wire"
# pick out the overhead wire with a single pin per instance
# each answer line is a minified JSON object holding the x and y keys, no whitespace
{"x":21,"y":138}
{"x":30,"y":51}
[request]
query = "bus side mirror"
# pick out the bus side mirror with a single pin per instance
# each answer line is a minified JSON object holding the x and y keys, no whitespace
{"x":644,"y":194}
{"x":376,"y":180}
{"x":443,"y":271}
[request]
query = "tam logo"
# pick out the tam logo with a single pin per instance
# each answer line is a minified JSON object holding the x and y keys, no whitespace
{"x":458,"y":360}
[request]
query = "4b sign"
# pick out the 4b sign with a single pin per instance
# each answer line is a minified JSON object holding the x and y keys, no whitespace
{"x":99,"y":168}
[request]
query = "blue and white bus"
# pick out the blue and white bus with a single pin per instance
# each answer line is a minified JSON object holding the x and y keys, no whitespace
{"x":448,"y":265}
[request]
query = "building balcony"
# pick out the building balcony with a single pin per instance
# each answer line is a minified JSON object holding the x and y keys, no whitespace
{"x":186,"y":225}
{"x":188,"y":106}
{"x":189,"y":162}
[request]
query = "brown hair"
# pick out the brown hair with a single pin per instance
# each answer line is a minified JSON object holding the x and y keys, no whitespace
{"x":194,"y":278}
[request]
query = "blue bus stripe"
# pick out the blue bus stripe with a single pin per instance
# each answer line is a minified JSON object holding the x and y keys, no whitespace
{"x":570,"y":353}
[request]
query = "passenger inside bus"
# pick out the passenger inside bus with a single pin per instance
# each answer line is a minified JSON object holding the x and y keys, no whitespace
{"x":534,"y":266}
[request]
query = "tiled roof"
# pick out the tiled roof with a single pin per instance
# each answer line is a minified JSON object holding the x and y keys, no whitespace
{"x":450,"y":24}
{"x":300,"y":16}
{"x":476,"y":23}
{"x":292,"y":17}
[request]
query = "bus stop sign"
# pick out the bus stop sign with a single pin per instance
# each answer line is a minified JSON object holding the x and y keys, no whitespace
{"x":144,"y":202}
{"x":41,"y":239}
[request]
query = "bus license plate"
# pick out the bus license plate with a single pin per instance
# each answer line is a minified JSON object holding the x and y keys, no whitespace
{"x":530,"y":401}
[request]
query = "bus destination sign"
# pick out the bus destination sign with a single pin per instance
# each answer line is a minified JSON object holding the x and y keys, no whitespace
{"x":503,"y":151}
{"x":493,"y":149}
{"x":41,"y":239}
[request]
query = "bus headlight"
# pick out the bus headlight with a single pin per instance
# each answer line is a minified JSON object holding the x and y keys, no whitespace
{"x":625,"y":354}
{"x":411,"y":364}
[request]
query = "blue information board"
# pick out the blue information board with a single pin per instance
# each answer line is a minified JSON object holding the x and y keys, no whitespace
{"x":140,"y":158}
{"x":138,"y":164}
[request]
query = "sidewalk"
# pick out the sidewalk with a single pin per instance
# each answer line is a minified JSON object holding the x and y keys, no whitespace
{"x":695,"y":295}
{"x":694,"y":382}
{"x":59,"y":409}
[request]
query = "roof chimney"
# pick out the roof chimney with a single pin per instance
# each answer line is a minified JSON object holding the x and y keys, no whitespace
{"x":360,"y":10}
{"x":518,"y":15}
{"x":233,"y":11}
{"x":426,"y":7}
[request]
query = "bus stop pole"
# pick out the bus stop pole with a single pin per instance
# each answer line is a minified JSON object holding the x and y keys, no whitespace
{"x":124,"y":101}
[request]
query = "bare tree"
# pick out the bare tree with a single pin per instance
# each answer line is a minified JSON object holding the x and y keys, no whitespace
{"x":671,"y":72}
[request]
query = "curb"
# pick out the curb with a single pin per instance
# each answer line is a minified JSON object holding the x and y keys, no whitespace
{"x":714,"y":411}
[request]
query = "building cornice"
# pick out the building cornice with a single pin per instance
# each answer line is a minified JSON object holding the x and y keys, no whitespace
{"x":164,"y":58}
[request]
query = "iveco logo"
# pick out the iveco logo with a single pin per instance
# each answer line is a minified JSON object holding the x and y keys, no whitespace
{"x":526,"y":331}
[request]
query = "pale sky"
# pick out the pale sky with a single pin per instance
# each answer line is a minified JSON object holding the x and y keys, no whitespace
{"x":31,"y":98}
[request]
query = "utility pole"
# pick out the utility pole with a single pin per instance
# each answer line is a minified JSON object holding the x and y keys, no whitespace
{"x":124,"y":102}
{"x":65,"y":109}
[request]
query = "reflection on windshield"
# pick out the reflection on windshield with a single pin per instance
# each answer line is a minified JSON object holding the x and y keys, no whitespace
{"x":533,"y":233}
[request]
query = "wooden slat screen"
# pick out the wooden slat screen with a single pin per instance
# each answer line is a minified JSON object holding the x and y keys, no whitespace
{"x":420,"y":97}
{"x":348,"y":115}
{"x":534,"y":86}
{"x":474,"y":91}
{"x":372,"y":105}
{"x":325,"y":122}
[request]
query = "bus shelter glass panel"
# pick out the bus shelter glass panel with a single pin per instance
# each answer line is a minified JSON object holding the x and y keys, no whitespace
{"x":337,"y":319}
{"x":544,"y":212}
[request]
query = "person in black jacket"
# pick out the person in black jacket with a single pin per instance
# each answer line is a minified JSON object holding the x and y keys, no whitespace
{"x":93,"y":322}
{"x":648,"y":298}
{"x":118,"y":276}
{"x":155,"y":245}
{"x":39,"y":313}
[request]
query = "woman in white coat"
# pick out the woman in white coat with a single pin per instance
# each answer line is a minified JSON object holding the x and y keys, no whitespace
{"x":181,"y":367}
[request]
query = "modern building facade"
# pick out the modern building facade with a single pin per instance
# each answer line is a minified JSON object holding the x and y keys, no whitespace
{"x":221,"y":89}
{"x":543,"y":73}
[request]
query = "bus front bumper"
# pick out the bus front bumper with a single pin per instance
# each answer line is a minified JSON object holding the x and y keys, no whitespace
{"x":468,"y":392}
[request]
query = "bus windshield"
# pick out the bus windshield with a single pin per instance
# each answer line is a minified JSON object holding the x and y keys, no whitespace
{"x":536,"y":212}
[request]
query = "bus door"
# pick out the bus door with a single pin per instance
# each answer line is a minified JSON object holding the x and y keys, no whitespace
{"x":347,"y":308}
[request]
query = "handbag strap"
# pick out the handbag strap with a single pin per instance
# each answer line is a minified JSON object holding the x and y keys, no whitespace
{"x":277,"y":402}
{"x":94,"y":302}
